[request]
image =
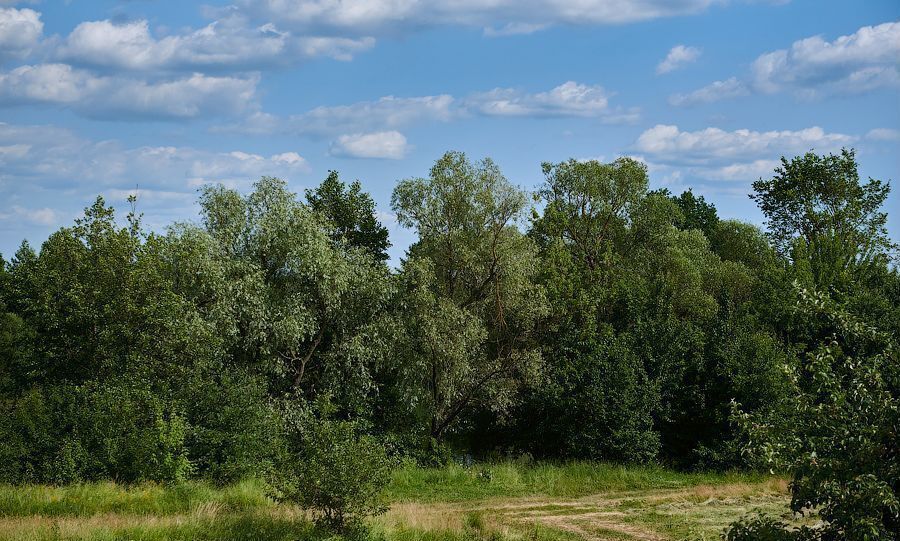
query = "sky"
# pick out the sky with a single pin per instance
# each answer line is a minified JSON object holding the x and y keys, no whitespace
{"x":158,"y":98}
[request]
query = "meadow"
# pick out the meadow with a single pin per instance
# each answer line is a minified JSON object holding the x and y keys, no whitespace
{"x":496,"y":502}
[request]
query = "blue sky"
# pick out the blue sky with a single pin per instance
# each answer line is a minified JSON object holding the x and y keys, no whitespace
{"x":109,"y":97}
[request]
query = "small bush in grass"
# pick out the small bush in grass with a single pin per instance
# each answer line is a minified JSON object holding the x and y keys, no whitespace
{"x":334,"y":470}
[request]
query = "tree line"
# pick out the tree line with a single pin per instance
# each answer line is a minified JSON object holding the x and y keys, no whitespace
{"x":592,"y":319}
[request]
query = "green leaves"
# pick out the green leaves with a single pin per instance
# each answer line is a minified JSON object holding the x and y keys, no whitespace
{"x":351,"y":215}
{"x":333,"y":469}
{"x":819,"y":212}
{"x":837,"y":433}
{"x":472,"y":303}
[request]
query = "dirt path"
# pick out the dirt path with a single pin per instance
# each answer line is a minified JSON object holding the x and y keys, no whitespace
{"x":699,"y":512}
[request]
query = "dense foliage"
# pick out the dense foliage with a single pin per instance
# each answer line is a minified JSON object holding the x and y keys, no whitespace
{"x":607,"y":322}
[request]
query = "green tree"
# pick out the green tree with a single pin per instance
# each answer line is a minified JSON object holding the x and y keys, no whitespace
{"x":471,"y":303}
{"x":284,"y":295}
{"x":98,"y":393}
{"x":837,"y":433}
{"x":589,"y":202}
{"x":824,"y":219}
{"x":351,"y":211}
{"x":698,"y":214}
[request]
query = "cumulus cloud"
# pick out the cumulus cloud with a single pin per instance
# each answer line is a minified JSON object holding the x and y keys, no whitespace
{"x":742,"y":171}
{"x":385,"y":145}
{"x":866,"y":60}
{"x":719,"y":90}
{"x":20,"y":32}
{"x":386,"y":16}
{"x":741,"y":155}
{"x":678,"y":56}
{"x":669,"y":143}
{"x":117,"y":97}
{"x":567,"y":99}
{"x":228,"y":43}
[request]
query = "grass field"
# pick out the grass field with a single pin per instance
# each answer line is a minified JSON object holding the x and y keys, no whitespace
{"x":501,"y":502}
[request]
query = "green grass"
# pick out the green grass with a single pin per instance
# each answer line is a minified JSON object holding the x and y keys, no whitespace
{"x":456,"y":483}
{"x":147,"y":499}
{"x":444,"y":504}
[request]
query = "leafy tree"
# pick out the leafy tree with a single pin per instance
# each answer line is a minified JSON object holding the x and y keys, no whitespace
{"x":597,"y":400}
{"x":110,"y":347}
{"x":821,"y":216}
{"x":471,"y":302}
{"x":587,"y":202}
{"x":837,"y":433}
{"x":351,"y":212}
{"x":698,"y":214}
{"x":266,"y":271}
{"x":650,"y":334}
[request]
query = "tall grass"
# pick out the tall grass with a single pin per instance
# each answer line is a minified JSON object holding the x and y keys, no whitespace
{"x":146,"y":499}
{"x":199,"y":511}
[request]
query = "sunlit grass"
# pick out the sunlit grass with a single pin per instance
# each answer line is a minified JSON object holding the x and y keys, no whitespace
{"x":458,"y":483}
{"x":489,"y":502}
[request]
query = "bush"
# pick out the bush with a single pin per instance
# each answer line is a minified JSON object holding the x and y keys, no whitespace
{"x":125,"y":431}
{"x":232,"y":433}
{"x":838,"y":433}
{"x":334,"y":470}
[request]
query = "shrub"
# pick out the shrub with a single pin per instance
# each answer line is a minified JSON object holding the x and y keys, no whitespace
{"x":125,"y":431}
{"x":838,"y":433}
{"x":332,"y":469}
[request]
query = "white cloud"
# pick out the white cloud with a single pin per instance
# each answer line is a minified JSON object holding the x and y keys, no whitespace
{"x":40,"y":216}
{"x":742,"y":171}
{"x":118,"y":97}
{"x":228,"y":43}
{"x":718,"y":90}
{"x":866,"y":59}
{"x":390,"y":113}
{"x":20,"y":32}
{"x":386,"y":144}
{"x":712,"y":145}
{"x":567,"y":99}
{"x":715,"y":155}
{"x":678,"y":56}
{"x":883,"y":134}
{"x":50,"y":157}
{"x":385,"y":16}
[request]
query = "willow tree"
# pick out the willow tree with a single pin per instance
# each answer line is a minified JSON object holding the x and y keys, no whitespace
{"x":287,"y":295}
{"x":470,"y":302}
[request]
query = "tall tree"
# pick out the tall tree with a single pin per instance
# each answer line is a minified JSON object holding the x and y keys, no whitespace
{"x":587,"y":202}
{"x":698,"y":214}
{"x":820,"y":214}
{"x":287,"y":298}
{"x":351,"y":211}
{"x":472,"y":302}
